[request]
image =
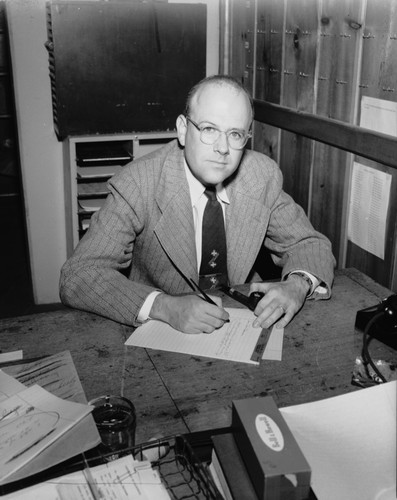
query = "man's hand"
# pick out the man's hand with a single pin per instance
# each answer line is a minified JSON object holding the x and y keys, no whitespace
{"x":281,"y":302}
{"x":189,"y":313}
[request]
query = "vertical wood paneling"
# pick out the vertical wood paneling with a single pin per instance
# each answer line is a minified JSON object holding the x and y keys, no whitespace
{"x":224,"y":42}
{"x":321,"y":56}
{"x":238,"y":32}
{"x":340,"y":34}
{"x":379,"y":80}
{"x":300,"y":49}
{"x":250,"y":40}
{"x":242,"y":41}
{"x":269,"y":71}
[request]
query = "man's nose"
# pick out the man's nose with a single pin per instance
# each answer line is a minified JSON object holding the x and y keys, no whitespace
{"x":221,"y":145}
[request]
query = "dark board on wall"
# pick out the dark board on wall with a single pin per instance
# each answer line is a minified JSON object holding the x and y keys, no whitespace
{"x":120,"y":67}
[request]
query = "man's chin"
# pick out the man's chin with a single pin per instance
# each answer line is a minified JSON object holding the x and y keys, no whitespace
{"x":216,"y":177}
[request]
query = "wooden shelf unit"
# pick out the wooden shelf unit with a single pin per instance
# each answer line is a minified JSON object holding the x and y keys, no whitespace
{"x":90,"y":161}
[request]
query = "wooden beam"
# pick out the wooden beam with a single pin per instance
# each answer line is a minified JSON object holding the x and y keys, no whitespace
{"x":378,"y":147}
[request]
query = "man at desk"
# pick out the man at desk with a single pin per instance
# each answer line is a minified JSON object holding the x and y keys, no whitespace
{"x":150,"y":238}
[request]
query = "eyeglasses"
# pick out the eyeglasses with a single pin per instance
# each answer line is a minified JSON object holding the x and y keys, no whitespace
{"x":210,"y":135}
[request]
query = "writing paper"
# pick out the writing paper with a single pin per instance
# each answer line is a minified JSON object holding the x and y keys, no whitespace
{"x":9,"y":386}
{"x":6,"y":357}
{"x":350,"y":443}
{"x":57,"y":374}
{"x":234,"y":341}
{"x":30,"y":421}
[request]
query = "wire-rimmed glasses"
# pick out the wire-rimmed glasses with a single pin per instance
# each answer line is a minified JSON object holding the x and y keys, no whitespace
{"x":209,"y":135}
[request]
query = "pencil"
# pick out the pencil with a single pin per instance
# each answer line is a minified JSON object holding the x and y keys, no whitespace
{"x":206,"y":297}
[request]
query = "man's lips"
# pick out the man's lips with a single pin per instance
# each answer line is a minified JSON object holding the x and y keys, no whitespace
{"x":218,"y":162}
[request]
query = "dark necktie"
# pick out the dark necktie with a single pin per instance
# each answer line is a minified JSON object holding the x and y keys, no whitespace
{"x":213,"y":269}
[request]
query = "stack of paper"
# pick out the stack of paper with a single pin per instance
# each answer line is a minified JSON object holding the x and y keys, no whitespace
{"x":39,"y":430}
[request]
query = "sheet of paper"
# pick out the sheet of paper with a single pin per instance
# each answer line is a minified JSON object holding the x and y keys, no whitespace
{"x":57,"y":374}
{"x":350,"y":443}
{"x":369,"y":202}
{"x":6,"y":357}
{"x":379,"y":115}
{"x":30,"y":421}
{"x":235,"y":341}
{"x":9,"y":386}
{"x":122,"y":479}
{"x":84,"y":436}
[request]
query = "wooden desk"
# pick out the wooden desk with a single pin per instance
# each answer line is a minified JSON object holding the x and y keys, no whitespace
{"x":176,"y":393}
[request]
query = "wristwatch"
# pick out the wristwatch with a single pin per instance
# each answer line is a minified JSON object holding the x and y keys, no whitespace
{"x":306,"y":278}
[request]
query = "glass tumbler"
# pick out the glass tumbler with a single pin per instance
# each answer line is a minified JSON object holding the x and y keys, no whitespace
{"x":115,"y":418}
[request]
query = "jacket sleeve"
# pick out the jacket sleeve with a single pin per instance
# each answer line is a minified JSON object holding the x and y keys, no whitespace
{"x":296,"y":246}
{"x":95,"y":277}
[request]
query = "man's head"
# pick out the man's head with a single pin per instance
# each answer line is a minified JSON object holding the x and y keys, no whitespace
{"x":217,"y":103}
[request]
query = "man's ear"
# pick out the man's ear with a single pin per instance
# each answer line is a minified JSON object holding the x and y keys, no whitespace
{"x":181,"y":127}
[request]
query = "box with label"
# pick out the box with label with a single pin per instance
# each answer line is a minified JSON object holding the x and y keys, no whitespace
{"x":275,"y":463}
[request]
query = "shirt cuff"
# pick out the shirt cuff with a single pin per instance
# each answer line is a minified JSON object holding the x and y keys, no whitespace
{"x":144,"y":312}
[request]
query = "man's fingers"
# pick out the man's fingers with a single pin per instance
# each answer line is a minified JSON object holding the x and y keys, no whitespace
{"x":272,"y":313}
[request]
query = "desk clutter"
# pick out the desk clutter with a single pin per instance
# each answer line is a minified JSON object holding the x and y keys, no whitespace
{"x":176,"y":475}
{"x":313,"y":450}
{"x":50,"y":447}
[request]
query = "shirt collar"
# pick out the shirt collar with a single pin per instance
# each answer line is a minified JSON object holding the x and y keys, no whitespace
{"x":197,"y":189}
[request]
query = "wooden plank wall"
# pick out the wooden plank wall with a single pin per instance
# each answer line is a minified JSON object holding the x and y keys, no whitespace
{"x":270,"y":29}
{"x":338,"y":44}
{"x":320,"y":56}
{"x":378,"y":79}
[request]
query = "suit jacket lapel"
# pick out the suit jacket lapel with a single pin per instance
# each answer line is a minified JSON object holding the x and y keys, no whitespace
{"x":175,"y":228}
{"x":246,"y":224}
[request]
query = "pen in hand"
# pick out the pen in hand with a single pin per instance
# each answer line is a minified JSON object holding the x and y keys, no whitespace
{"x":206,"y":297}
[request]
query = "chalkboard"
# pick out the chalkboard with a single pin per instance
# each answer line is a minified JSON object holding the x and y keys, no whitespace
{"x":122,"y":67}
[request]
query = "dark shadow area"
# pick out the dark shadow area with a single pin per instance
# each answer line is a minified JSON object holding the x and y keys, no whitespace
{"x":15,"y":288}
{"x":265,"y":266}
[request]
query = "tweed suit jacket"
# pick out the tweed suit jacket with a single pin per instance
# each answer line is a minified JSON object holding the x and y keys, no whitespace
{"x":143,"y":237}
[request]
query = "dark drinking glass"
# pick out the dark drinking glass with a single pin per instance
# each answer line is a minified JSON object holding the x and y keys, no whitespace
{"x":115,"y":419}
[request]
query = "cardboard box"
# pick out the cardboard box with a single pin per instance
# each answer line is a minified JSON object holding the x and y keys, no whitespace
{"x":275,"y":463}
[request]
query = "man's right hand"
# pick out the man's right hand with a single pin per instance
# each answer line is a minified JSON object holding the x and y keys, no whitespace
{"x":189,"y":313}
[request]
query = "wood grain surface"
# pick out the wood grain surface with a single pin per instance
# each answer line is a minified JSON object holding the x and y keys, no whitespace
{"x":176,"y":393}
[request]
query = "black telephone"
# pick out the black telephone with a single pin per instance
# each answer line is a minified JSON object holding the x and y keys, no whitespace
{"x":385,"y":327}
{"x":390,"y":310}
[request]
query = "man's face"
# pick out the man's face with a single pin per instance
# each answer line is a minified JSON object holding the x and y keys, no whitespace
{"x":221,"y":107}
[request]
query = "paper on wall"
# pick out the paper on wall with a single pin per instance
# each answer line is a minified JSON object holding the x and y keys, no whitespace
{"x":369,"y":202}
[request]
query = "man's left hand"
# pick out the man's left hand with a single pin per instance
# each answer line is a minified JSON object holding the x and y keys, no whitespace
{"x":281,"y":302}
